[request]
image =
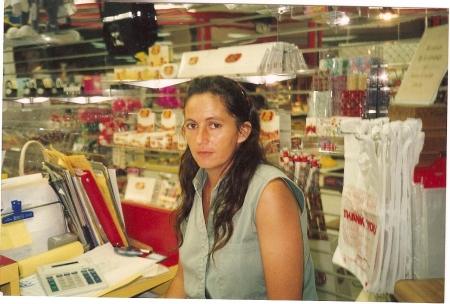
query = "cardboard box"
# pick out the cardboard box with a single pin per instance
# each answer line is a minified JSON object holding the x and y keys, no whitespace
{"x":434,"y":125}
{"x":433,"y":116}
{"x":435,"y":140}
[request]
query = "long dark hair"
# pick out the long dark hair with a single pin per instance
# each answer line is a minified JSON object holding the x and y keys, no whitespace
{"x":233,"y":188}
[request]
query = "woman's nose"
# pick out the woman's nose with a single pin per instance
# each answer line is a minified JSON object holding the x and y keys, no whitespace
{"x":202,"y":135}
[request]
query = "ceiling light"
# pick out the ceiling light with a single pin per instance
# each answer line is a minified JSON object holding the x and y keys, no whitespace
{"x":238,"y":35}
{"x":158,"y":83}
{"x":263,"y":79}
{"x":387,"y":13}
{"x":32,"y":100}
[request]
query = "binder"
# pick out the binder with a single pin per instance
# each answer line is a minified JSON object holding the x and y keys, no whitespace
{"x":108,"y":221}
{"x":98,"y":235}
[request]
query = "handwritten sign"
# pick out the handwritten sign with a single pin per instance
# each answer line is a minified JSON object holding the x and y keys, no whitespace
{"x":428,"y":66}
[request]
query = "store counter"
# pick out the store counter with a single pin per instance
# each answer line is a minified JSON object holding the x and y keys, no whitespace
{"x":423,"y":291}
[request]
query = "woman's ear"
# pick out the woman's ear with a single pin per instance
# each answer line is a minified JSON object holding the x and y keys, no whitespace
{"x":244,"y":131}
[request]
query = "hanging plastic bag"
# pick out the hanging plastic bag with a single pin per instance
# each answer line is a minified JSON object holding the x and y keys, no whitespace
{"x":360,"y":208}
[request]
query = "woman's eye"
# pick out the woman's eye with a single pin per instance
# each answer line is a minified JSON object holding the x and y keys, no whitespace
{"x":215,"y":125}
{"x":190,"y":126}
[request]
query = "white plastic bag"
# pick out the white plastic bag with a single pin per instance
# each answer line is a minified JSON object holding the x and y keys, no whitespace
{"x":360,"y":208}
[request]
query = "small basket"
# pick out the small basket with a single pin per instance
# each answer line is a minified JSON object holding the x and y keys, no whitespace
{"x":23,"y":153}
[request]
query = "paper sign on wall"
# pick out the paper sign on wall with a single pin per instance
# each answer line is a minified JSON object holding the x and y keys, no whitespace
{"x":428,"y":66}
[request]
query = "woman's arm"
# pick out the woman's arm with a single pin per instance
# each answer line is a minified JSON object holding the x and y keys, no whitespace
{"x":176,"y":287}
{"x":280,"y":239}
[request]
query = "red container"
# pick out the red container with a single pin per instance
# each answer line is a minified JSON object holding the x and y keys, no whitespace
{"x":152,"y":226}
{"x":353,"y":103}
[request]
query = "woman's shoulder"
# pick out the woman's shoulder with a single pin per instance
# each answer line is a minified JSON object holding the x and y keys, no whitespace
{"x":269,"y":172}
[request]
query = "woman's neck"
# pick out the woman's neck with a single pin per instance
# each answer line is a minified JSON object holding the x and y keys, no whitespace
{"x":212,"y":179}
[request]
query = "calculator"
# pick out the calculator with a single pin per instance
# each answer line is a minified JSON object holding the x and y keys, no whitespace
{"x":71,"y":278}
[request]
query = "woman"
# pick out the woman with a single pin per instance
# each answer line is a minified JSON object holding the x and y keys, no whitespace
{"x":238,"y":223}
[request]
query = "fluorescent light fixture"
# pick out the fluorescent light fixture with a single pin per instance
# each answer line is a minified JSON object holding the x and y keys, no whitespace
{"x":84,"y":100}
{"x":32,"y":100}
{"x":79,"y":100}
{"x":158,"y":83}
{"x":97,"y":99}
{"x":264,"y":79}
{"x":237,"y":35}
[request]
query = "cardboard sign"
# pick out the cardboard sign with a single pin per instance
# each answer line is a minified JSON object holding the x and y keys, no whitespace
{"x":428,"y":66}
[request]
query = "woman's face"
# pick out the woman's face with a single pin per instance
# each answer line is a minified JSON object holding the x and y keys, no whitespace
{"x":211,"y":132}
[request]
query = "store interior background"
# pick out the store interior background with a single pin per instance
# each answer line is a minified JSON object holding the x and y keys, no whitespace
{"x":200,"y":26}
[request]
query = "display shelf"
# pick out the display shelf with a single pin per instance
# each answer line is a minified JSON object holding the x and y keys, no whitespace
{"x":139,"y":150}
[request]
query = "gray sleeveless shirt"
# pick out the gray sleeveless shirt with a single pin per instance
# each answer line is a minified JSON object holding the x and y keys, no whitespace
{"x":236,"y":270}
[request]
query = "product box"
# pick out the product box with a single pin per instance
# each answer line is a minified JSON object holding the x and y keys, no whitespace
{"x":236,"y":60}
{"x":333,"y":182}
{"x":146,"y":120}
{"x":270,"y":131}
{"x":92,"y":84}
{"x":159,"y":55}
{"x":136,"y":72}
{"x":323,"y":126}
